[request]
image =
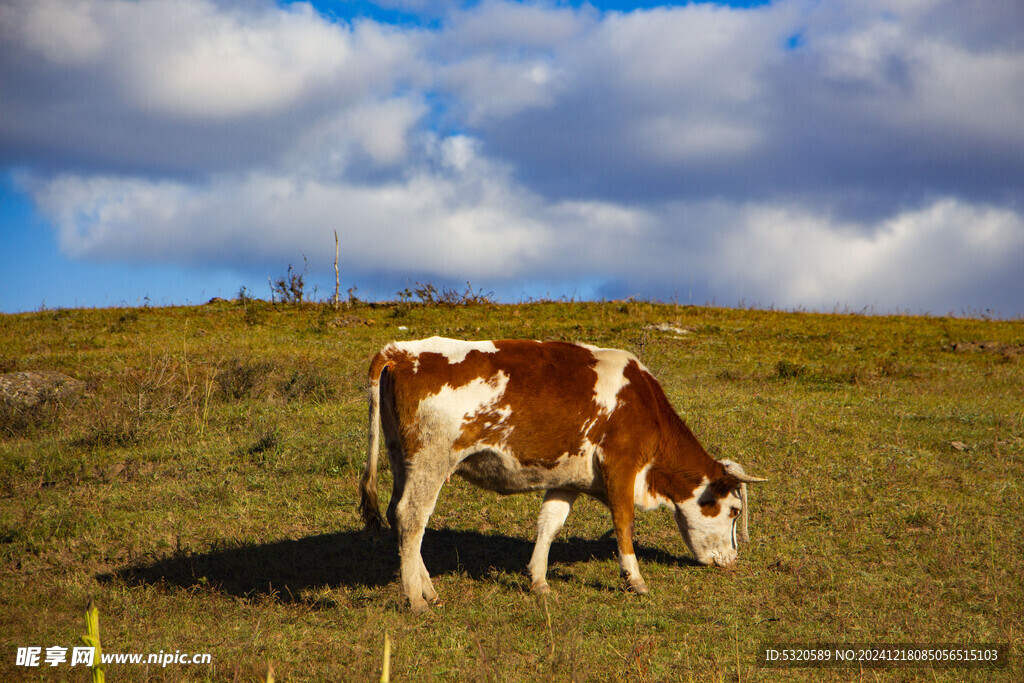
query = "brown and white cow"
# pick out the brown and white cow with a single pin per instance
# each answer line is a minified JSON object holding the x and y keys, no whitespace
{"x":514,"y":416}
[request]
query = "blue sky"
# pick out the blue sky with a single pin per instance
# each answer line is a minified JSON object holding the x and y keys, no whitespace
{"x":851,"y":154}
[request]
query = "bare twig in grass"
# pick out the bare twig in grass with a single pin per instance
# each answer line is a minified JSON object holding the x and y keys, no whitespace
{"x":640,"y":658}
{"x":337,"y":277}
{"x":208,"y":391}
{"x":547,"y":618}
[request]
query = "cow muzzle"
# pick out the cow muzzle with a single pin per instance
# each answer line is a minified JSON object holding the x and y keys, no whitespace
{"x":721,"y":560}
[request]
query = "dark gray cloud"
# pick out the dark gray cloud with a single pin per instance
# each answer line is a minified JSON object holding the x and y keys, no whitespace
{"x":865,"y":118}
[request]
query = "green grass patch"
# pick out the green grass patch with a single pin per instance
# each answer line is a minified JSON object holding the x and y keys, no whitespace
{"x":202,"y":490}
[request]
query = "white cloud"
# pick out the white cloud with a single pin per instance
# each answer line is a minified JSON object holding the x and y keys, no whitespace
{"x":492,"y":88}
{"x":194,"y":59}
{"x":376,"y":131}
{"x":497,"y":26}
{"x":953,"y":81}
{"x":471,"y":221}
{"x":62,"y":32}
{"x":458,"y":151}
{"x":195,"y":85}
{"x":886,"y":61}
{"x":661,"y":54}
{"x":499,"y":58}
{"x":194,"y":88}
{"x":876,"y":159}
{"x":921,"y":257}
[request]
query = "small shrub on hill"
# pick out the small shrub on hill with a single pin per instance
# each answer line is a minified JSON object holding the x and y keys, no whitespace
{"x":243,"y":378}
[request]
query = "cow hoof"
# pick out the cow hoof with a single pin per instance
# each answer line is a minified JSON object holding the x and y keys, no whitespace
{"x":540,"y":589}
{"x":420,"y":608}
{"x":638,"y":587}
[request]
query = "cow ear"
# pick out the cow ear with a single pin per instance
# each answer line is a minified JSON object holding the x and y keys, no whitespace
{"x":736,"y":470}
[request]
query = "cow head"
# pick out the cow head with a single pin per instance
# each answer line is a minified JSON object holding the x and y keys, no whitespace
{"x":708,"y":519}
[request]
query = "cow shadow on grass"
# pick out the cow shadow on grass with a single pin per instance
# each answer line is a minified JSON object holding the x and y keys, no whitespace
{"x":284,"y":570}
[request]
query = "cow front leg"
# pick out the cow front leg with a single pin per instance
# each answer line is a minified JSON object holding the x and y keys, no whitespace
{"x":553,"y":512}
{"x":629,"y":568}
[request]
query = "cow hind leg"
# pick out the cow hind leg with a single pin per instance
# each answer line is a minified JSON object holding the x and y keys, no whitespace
{"x":397,"y":484}
{"x":393,"y":442}
{"x":411,"y":515}
{"x":553,"y":512}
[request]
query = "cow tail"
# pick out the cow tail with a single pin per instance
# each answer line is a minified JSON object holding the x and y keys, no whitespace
{"x":369,"y":508}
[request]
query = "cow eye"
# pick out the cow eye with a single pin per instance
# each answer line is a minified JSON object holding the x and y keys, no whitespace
{"x":734,"y":512}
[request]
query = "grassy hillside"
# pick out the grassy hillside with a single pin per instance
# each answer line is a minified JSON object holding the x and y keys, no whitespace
{"x":202,"y":489}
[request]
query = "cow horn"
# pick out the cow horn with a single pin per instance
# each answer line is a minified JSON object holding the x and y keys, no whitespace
{"x":736,"y":470}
